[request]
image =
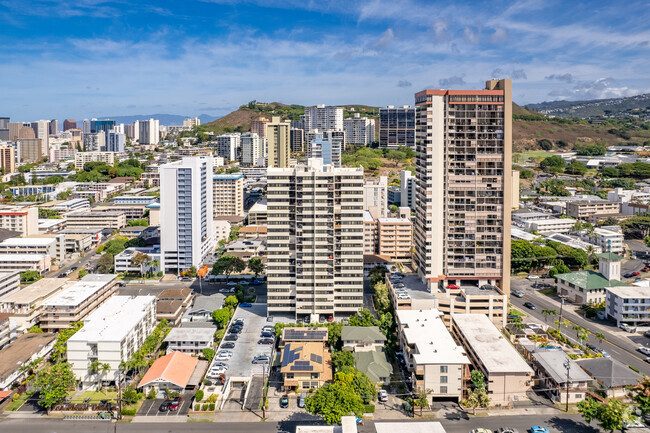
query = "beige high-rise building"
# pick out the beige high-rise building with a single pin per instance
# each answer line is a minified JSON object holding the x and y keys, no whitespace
{"x":42,"y":131}
{"x":278,"y":136}
{"x":228,"y":195}
{"x":18,"y":130}
{"x":30,"y":149}
{"x":464,"y":165}
{"x":7,"y":159}
{"x":375,"y":196}
{"x":315,"y":240}
{"x":395,"y":238}
{"x":258,"y":126}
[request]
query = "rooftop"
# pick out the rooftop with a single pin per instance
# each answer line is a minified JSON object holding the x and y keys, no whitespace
{"x":21,"y":257}
{"x":610,"y":256}
{"x":80,"y":291}
{"x":114,"y":319}
{"x":493,"y":350}
{"x":631,"y":292}
{"x":374,"y":363}
{"x":588,"y":280}
{"x":609,"y":372}
{"x":409,"y":427}
{"x":21,"y":350}
{"x":260,"y":206}
{"x":190,"y":334}
{"x":304,"y":334}
{"x":180,"y":293}
{"x":40,"y":289}
{"x":551,"y":221}
{"x":425,"y":330}
{"x":553,"y":361}
{"x":306,"y":356}
{"x":394,"y":220}
{"x":175,"y":367}
{"x":36,"y":242}
{"x":366,"y":334}
{"x":207,"y":303}
{"x":234,"y":176}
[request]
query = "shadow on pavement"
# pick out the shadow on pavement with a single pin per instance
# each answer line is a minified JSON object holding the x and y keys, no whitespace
{"x":569,"y":425}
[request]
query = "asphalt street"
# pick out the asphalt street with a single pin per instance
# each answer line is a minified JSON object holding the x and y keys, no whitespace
{"x":621,"y":346}
{"x":562,"y":423}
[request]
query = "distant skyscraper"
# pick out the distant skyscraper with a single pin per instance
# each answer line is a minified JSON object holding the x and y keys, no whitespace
{"x":253,"y":149}
{"x":4,"y":128}
{"x":228,"y":146}
{"x":7,"y":159}
{"x":397,"y":126}
{"x":86,"y":126}
{"x":69,"y":124}
{"x":42,"y":132}
{"x":278,"y":138}
{"x":297,"y":140}
{"x":186,"y":202}
{"x":315,"y":240}
{"x":31,"y":149}
{"x":94,"y":142}
{"x":102,"y":125}
{"x":114,"y":141}
{"x":258,"y":126}
{"x":54,"y":127}
{"x":359,"y":131}
{"x":328,"y":151}
{"x":149,"y":131}
{"x":323,"y":118}
{"x":464,"y":166}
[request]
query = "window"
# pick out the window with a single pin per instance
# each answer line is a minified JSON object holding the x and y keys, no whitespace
{"x":288,"y":376}
{"x":443,"y":379}
{"x":443,"y":390}
{"x":443,"y":368}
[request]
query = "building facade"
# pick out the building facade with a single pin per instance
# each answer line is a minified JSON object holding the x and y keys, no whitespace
{"x":315,"y":240}
{"x":397,"y":126}
{"x":375,"y":196}
{"x":228,"y":194}
{"x":323,"y":118}
{"x":278,"y":137}
{"x":81,"y":158}
{"x":359,"y":131}
{"x":253,"y":149}
{"x":228,"y":146}
{"x":464,"y":147}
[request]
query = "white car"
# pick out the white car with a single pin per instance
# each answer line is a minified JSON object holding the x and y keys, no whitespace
{"x":643,"y":350}
{"x":232,"y":283}
{"x":383,"y":395}
{"x":217,"y":371}
{"x":223,"y":357}
{"x":533,"y":277}
{"x":224,"y":353}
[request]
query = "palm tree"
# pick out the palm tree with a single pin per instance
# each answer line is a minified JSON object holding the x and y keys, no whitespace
{"x":549,"y":312}
{"x":140,"y":259}
{"x":560,"y":324}
{"x":600,"y":336}
{"x":153,"y":264}
{"x":94,"y":369}
{"x":105,"y":368}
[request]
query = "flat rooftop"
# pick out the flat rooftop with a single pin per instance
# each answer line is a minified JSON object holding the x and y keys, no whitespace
{"x":4,"y":258}
{"x":552,"y":221}
{"x":21,"y":350}
{"x":493,"y":350}
{"x":36,"y":242}
{"x":80,"y":291}
{"x":39,"y":290}
{"x":114,"y":319}
{"x":433,"y":343}
{"x":190,"y":334}
{"x":631,"y":292}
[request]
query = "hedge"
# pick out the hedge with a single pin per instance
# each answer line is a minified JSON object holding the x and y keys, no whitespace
{"x":128,"y":412}
{"x":212,"y":407}
{"x":370,"y":408}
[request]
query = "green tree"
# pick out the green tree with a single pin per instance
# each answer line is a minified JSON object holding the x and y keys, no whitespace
{"x":334,"y":335}
{"x":641,"y":395}
{"x":28,"y":277}
{"x":478,"y":379}
{"x":139,"y":261}
{"x":230,"y":302}
{"x":342,"y":359}
{"x":54,"y":382}
{"x":106,"y":264}
{"x":600,"y":336}
{"x":363,"y":318}
{"x":334,"y":400}
{"x":199,"y":395}
{"x":377,"y":274}
{"x":382,"y":299}
{"x":221,"y":317}
{"x":208,"y":353}
{"x":611,"y":414}
{"x":576,"y":167}
{"x":548,"y":312}
{"x":82,"y":272}
{"x":553,"y":164}
{"x":478,"y":398}
{"x":256,"y":266}
{"x":130,"y":395}
{"x":227,"y":264}
{"x":421,"y":399}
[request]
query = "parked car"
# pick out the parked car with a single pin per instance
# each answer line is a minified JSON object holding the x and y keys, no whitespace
{"x":605,"y":354}
{"x":533,"y":277}
{"x":517,"y":293}
{"x":645,"y":269}
{"x":538,"y":429}
{"x":506,"y":430}
{"x":627,"y":328}
{"x":330,"y":318}
{"x":643,"y":350}
{"x":268,"y":329}
{"x":228,"y":345}
{"x":256,"y":282}
{"x":399,"y":285}
{"x":636,"y":274}
{"x":245,"y":305}
{"x":266,"y":341}
{"x":301,"y":400}
{"x":176,"y":403}
{"x":235,"y":329}
{"x":261,"y":359}
{"x":647,"y":359}
{"x":186,"y":279}
{"x":382,"y":395}
{"x":269,"y":334}
{"x":238,"y":322}
{"x":628,"y":275}
{"x":231,"y":337}
{"x":481,"y":430}
{"x":529,"y":305}
{"x":164,"y":407}
{"x":217,"y":371}
{"x":284,"y":401}
{"x":224,"y":353}
{"x":453,"y":287}
{"x":592,"y":347}
{"x":232,"y":283}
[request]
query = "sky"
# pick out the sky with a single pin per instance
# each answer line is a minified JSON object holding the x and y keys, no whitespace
{"x":94,"y":58}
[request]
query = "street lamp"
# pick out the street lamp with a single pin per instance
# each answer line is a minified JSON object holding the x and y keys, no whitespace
{"x":559,"y":322}
{"x":567,"y":365}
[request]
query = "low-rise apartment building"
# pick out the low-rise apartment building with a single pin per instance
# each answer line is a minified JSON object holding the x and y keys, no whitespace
{"x":110,"y":335}
{"x":608,"y":240}
{"x":52,"y":246}
{"x":113,"y":220}
{"x":77,"y":301}
{"x":134,"y":199}
{"x":9,"y":283}
{"x":124,"y":260}
{"x":434,"y":360}
{"x":628,"y":304}
{"x":24,"y":305}
{"x":81,"y":158}
{"x":549,"y":226}
{"x":5,"y":329}
{"x":555,"y":372}
{"x":258,"y":214}
{"x":25,"y":262}
{"x":25,"y":349}
{"x":583,"y":209}
{"x":190,"y":340}
{"x":508,"y":375}
{"x":20,"y":219}
{"x":228,"y":194}
{"x":131,"y":211}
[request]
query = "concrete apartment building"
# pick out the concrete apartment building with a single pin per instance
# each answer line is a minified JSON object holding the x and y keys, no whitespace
{"x":258,"y":213}
{"x":30,"y":149}
{"x":278,"y":140}
{"x":508,"y":375}
{"x":24,"y":305}
{"x":328,"y":151}
{"x":19,"y":219}
{"x":110,"y":335}
{"x":149,"y":131}
{"x":375,"y":196}
{"x":25,"y":262}
{"x":359,"y":130}
{"x":112,"y":219}
{"x":190,"y":340}
{"x":94,"y":142}
{"x":48,"y":245}
{"x":464,"y":147}
{"x":253,"y":149}
{"x":228,"y":194}
{"x":297,"y":139}
{"x":77,"y":301}
{"x":315,"y":237}
{"x":9,"y":283}
{"x":323,"y":118}
{"x":370,"y":234}
{"x":549,"y":226}
{"x":7,"y":159}
{"x":397,"y":126}
{"x":258,"y":126}
{"x":583,"y":209}
{"x":628,"y":304}
{"x":395,"y":238}
{"x":434,"y":360}
{"x":610,"y":241}
{"x":407,"y":189}
{"x":228,"y":146}
{"x":186,"y":228}
{"x":81,"y":158}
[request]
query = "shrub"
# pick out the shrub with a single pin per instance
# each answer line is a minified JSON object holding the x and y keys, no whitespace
{"x":152,"y":394}
{"x":212,"y":406}
{"x":199,"y":395}
{"x":128,"y":412}
{"x":197,"y":407}
{"x":212,"y":398}
{"x":204,"y":406}
{"x":370,"y":408}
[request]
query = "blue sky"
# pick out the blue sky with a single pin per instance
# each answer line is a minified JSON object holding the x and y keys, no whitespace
{"x":86,"y":58}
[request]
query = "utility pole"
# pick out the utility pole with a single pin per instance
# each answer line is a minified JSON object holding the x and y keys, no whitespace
{"x":119,"y":394}
{"x":559,"y":322}
{"x":567,"y":365}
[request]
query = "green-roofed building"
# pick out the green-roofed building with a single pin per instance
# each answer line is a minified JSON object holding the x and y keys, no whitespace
{"x":587,"y":287}
{"x":374,"y":364}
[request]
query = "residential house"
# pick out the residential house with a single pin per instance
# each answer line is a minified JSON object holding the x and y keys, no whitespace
{"x":171,"y":372}
{"x":190,"y":340}
{"x":612,"y":377}
{"x":554,"y":370}
{"x":305,"y":366}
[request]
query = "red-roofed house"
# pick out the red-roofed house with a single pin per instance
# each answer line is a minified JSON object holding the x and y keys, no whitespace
{"x":172,"y":371}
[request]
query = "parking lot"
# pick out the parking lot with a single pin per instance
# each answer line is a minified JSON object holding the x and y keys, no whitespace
{"x":151,"y":407}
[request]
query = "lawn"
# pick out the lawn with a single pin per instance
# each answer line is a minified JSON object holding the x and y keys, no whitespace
{"x":549,"y":291}
{"x":515,"y":312}
{"x":533,"y":154}
{"x":96,"y":396}
{"x":14,"y":405}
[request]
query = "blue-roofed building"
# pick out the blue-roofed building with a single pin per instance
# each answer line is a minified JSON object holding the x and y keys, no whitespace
{"x":228,"y":195}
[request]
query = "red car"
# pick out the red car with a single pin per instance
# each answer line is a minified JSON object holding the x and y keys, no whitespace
{"x":636,"y":274}
{"x":176,"y":403}
{"x":646,"y":269}
{"x":453,"y":287}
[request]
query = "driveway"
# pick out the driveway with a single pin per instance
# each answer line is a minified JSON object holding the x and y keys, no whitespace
{"x":151,"y":407}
